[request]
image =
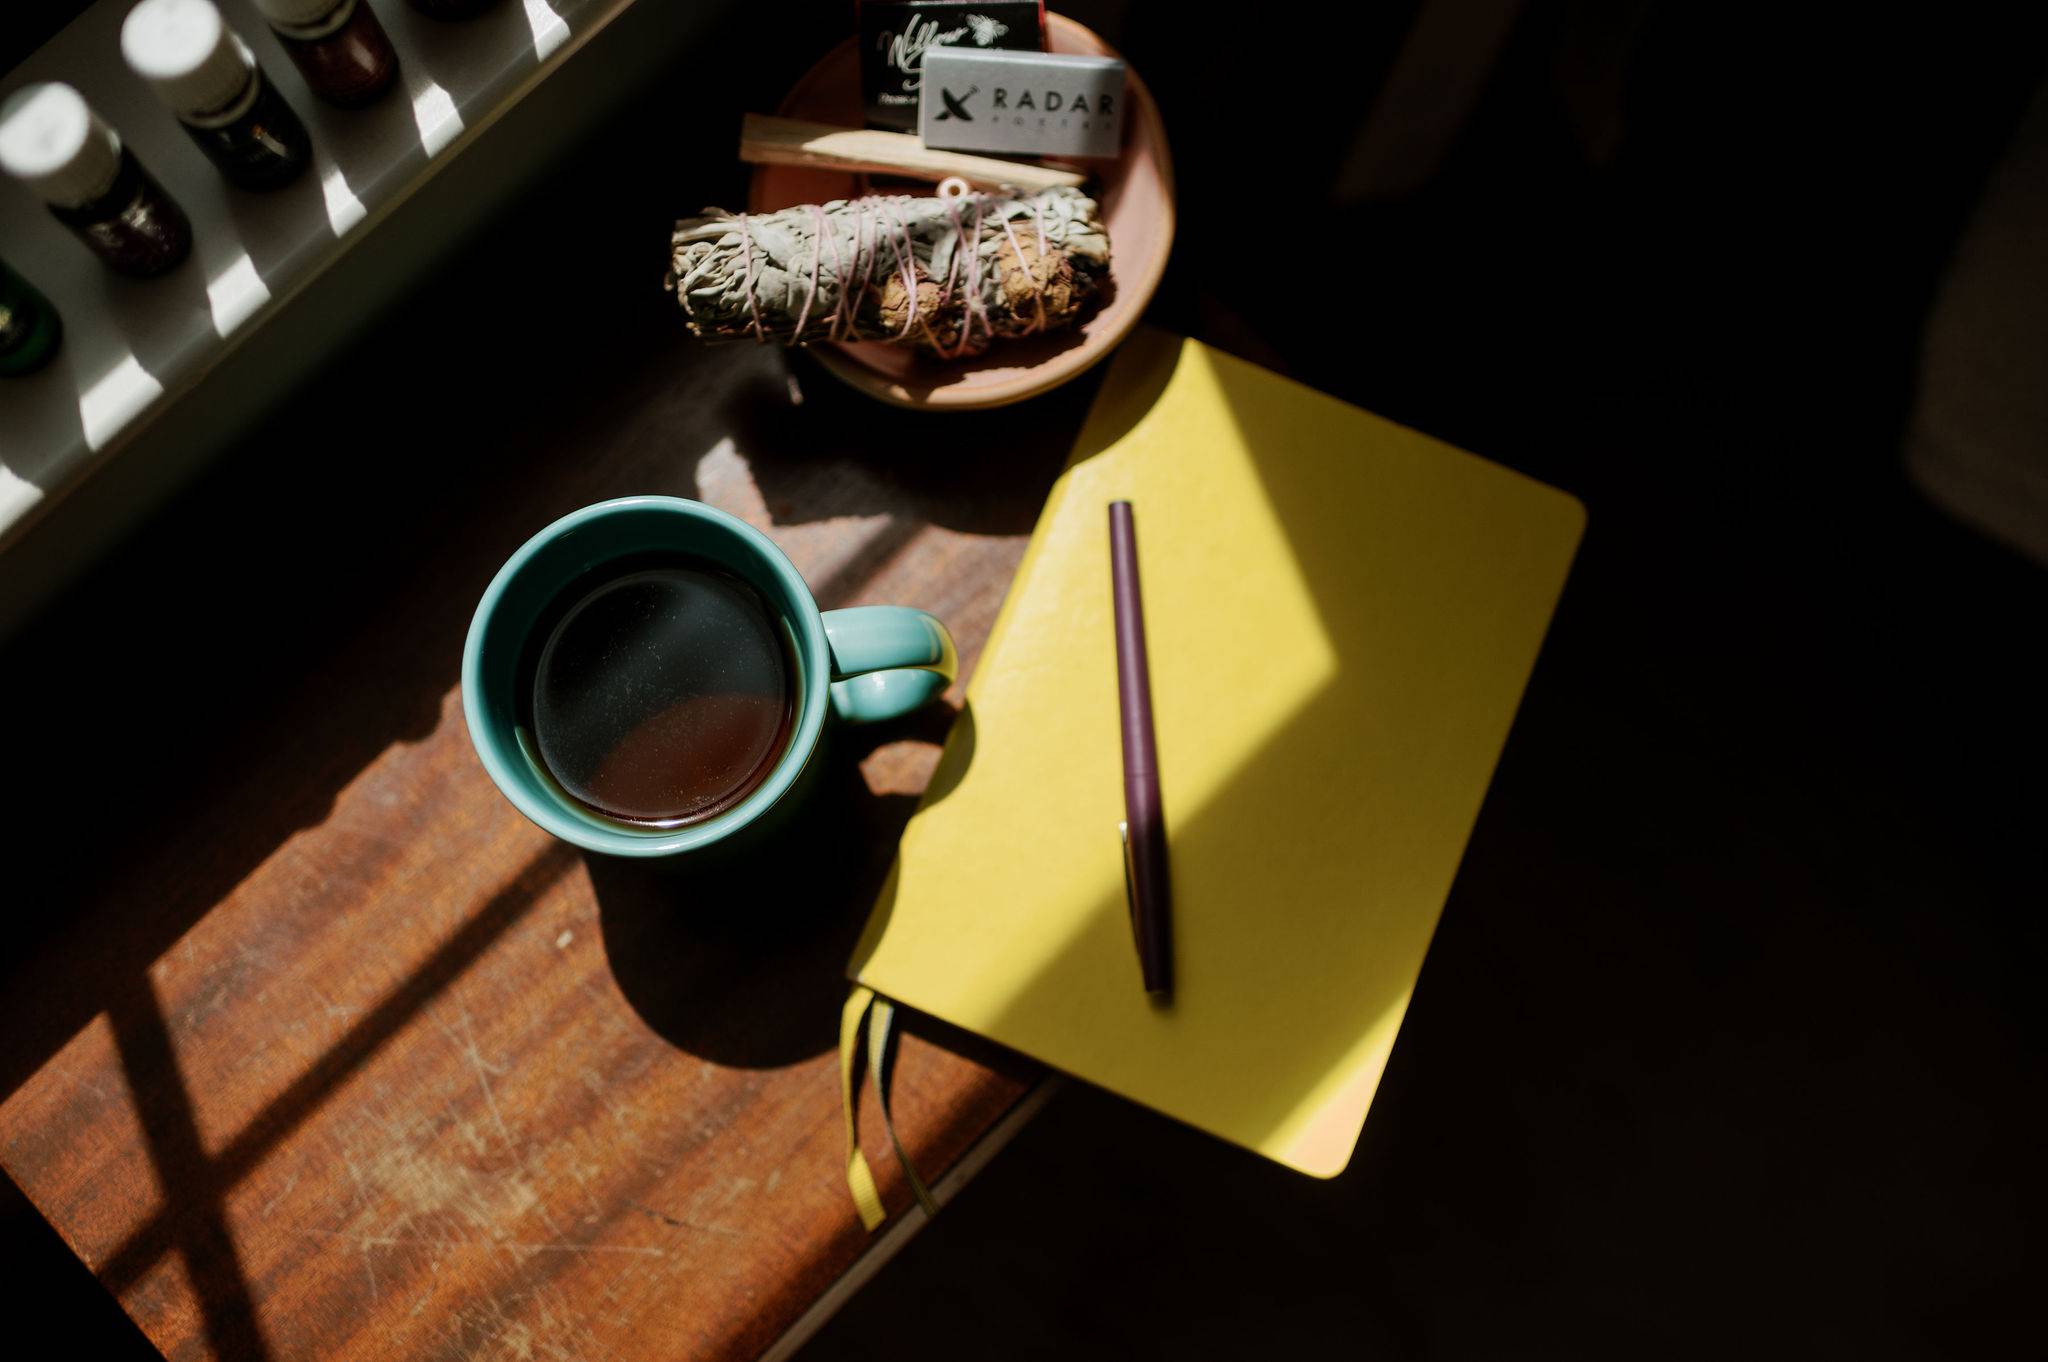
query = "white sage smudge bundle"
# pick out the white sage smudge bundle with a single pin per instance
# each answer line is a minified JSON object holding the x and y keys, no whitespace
{"x":944,"y":275}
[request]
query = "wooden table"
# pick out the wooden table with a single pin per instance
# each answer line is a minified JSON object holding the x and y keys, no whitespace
{"x":316,"y":1048}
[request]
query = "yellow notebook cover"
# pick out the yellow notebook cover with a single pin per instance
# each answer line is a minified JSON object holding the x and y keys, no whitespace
{"x":1341,"y":615}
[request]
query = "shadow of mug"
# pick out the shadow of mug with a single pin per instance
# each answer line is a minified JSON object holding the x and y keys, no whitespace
{"x":738,"y":955}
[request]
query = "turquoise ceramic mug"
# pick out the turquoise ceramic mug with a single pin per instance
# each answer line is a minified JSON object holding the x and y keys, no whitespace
{"x":860,"y":665}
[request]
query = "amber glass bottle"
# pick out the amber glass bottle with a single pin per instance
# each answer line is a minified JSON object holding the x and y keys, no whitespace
{"x":52,"y":141}
{"x":206,"y":75}
{"x":338,"y":45}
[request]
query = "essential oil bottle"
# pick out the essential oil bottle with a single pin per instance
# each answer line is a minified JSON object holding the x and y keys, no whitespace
{"x":52,"y":141}
{"x":338,"y":46}
{"x":206,"y":75}
{"x":29,"y":326}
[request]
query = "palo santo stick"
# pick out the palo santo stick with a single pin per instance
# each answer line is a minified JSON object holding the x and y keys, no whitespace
{"x":788,"y":141}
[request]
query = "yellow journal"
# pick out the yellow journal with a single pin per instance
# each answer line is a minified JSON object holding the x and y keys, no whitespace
{"x":1341,"y":616}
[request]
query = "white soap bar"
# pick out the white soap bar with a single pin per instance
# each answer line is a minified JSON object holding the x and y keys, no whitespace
{"x":1023,"y":103}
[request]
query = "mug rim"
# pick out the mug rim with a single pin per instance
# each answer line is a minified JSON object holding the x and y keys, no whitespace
{"x":813,"y":661}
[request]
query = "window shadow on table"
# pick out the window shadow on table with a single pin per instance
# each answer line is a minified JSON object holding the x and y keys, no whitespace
{"x":739,"y":956}
{"x":287,"y":641}
{"x":192,"y":1221}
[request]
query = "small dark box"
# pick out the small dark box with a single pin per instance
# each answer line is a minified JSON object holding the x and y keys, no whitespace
{"x":894,"y":35}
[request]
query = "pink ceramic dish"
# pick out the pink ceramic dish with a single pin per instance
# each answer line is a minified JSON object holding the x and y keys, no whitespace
{"x":1136,"y":194}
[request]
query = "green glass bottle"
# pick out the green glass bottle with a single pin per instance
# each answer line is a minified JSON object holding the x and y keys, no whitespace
{"x":29,"y":326}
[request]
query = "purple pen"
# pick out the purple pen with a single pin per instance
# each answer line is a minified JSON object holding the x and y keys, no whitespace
{"x":1144,"y":828}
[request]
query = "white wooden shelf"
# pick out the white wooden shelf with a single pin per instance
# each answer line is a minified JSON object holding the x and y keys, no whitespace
{"x":136,"y":350}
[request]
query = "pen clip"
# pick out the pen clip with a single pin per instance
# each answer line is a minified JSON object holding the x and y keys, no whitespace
{"x":1123,"y":833}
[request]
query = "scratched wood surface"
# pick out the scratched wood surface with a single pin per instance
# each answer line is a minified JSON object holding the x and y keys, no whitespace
{"x":318,"y":1049}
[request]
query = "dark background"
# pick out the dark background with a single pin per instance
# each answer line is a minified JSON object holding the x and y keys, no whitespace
{"x":26,"y":27}
{"x":1727,"y":1040}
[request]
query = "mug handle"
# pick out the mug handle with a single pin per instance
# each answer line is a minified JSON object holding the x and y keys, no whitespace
{"x":887,"y":660}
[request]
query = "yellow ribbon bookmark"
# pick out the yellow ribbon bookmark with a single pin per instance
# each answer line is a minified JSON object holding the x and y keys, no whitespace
{"x":860,"y":1179}
{"x":880,"y":1032}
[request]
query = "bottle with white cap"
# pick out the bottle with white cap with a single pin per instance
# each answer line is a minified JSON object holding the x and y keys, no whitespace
{"x":29,"y":327}
{"x":338,"y":46}
{"x":52,"y":141}
{"x":207,"y":76}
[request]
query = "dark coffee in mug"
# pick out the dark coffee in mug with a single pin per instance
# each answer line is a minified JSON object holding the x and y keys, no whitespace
{"x":660,"y":691}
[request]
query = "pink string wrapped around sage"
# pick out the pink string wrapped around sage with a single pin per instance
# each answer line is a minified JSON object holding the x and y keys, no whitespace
{"x":944,"y":275}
